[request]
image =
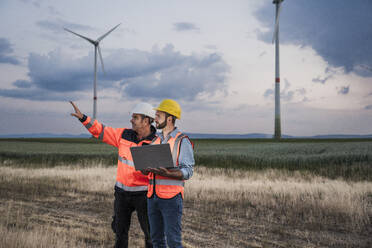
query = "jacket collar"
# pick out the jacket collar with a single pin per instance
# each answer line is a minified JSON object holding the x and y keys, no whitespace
{"x":171,"y":134}
{"x":152,"y":134}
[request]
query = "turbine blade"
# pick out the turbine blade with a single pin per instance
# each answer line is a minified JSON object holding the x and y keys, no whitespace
{"x":85,"y":38}
{"x":100,"y":56}
{"x":103,"y":36}
{"x":277,"y":22}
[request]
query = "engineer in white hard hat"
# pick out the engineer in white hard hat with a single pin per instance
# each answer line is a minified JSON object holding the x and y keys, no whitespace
{"x":131,"y":185}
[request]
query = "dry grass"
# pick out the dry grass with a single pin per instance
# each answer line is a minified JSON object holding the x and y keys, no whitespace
{"x":317,"y":199}
{"x":72,"y":207}
{"x":276,"y":208}
{"x":64,"y":207}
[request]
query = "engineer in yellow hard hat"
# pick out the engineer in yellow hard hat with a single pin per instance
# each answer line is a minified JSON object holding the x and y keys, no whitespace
{"x":166,"y":186}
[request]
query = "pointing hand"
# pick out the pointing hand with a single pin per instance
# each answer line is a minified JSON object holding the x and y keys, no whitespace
{"x":77,"y":113}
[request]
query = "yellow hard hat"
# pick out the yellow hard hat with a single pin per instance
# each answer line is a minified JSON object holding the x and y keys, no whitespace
{"x":171,"y":107}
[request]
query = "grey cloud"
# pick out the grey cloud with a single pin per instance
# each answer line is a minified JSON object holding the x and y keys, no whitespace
{"x":287,"y":85}
{"x":22,"y":84}
{"x":301,"y":91}
{"x":363,"y":70}
{"x":142,"y":74}
{"x":268,"y":93}
{"x":55,"y":77}
{"x":286,"y":94}
{"x":57,"y":72}
{"x":57,"y":25}
{"x":36,"y":95}
{"x":35,"y":3}
{"x":53,"y":11}
{"x":172,"y":74}
{"x":211,"y":47}
{"x":339,"y":31}
{"x":344,"y":90}
{"x":320,"y":80}
{"x":262,"y":54}
{"x":185,"y":26}
{"x":5,"y":51}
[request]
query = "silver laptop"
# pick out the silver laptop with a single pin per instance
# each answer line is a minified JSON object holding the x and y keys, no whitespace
{"x":152,"y":156}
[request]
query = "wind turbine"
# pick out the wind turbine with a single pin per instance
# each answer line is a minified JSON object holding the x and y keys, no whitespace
{"x":96,"y":47}
{"x":277,"y":132}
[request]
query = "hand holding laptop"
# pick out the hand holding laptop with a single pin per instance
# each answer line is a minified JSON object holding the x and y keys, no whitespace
{"x":160,"y":171}
{"x":172,"y":173}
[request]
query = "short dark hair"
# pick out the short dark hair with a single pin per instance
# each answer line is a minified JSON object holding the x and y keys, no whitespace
{"x":173,"y":117}
{"x":151,"y":120}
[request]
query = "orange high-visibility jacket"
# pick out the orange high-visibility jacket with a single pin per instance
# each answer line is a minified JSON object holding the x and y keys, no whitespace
{"x":166,"y":187}
{"x":127,"y":178}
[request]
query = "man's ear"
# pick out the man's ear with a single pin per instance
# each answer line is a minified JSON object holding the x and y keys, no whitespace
{"x":148,"y":120}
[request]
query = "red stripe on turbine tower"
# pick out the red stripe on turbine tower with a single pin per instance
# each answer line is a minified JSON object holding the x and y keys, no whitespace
{"x":95,"y":98}
{"x":277,"y":80}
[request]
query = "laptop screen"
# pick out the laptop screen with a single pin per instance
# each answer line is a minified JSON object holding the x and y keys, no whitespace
{"x":152,"y":156}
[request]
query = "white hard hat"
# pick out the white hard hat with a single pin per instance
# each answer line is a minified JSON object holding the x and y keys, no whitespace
{"x":144,"y":109}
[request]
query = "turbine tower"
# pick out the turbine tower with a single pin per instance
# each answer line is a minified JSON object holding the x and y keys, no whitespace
{"x":96,"y":48}
{"x":277,"y":132}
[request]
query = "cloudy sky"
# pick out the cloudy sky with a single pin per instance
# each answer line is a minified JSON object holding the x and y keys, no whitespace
{"x":214,"y":57}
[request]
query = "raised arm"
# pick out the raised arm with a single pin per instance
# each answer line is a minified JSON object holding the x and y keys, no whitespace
{"x":108,"y":135}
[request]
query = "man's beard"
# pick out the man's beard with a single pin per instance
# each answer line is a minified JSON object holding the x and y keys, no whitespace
{"x":161,"y":125}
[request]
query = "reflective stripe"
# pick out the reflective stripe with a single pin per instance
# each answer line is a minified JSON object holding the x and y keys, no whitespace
{"x":100,"y":137}
{"x":175,"y":149}
{"x":167,"y":182}
{"x":128,"y":188}
{"x":153,"y":140}
{"x":125,"y":161}
{"x":90,"y":124}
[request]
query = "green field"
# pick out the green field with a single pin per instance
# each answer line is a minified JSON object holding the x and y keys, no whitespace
{"x":349,"y":159}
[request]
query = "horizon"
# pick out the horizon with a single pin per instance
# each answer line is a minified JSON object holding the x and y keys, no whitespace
{"x":198,"y":136}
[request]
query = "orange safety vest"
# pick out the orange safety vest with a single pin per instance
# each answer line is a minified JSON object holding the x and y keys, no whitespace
{"x":127,"y":178}
{"x":166,"y":187}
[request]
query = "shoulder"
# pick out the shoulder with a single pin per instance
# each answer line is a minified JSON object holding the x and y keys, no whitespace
{"x":185,"y":141}
{"x":129,"y":134}
{"x":179,"y":135}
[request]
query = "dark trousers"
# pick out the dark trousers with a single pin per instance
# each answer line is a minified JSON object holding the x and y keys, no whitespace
{"x":125,"y":203}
